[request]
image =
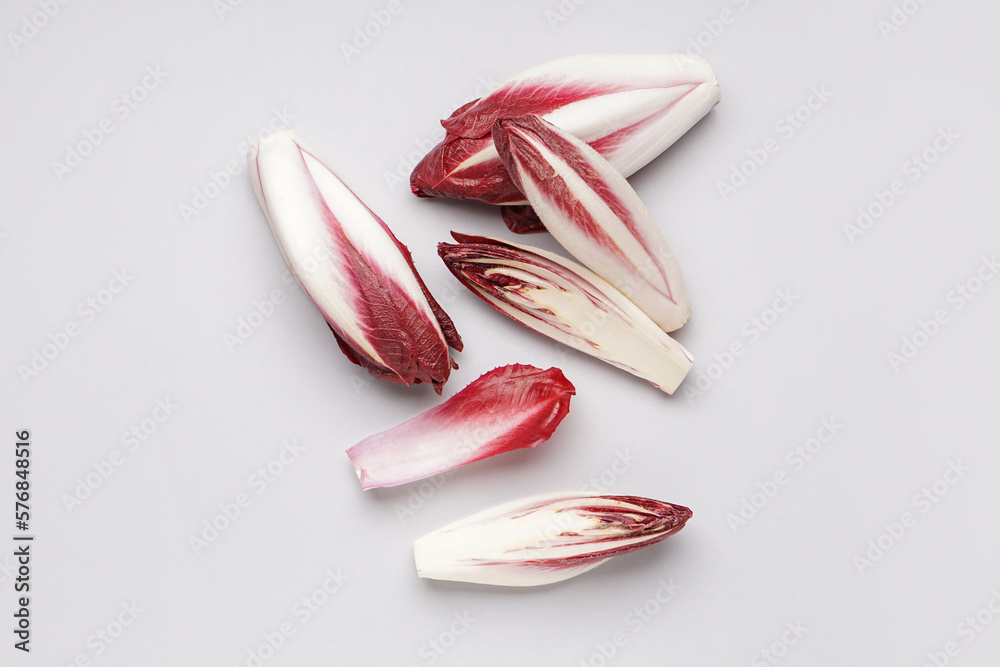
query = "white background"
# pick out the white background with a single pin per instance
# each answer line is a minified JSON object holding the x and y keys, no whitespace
{"x":796,"y":560}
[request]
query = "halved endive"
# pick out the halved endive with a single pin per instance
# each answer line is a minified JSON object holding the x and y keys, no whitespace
{"x":628,"y":107}
{"x":568,"y":303}
{"x":544,"y":539}
{"x":595,"y":214}
{"x":508,"y":408}
{"x":351,"y":265}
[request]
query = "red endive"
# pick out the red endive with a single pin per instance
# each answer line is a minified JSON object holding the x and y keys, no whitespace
{"x":595,"y":214}
{"x":544,"y":539}
{"x":627,"y":107}
{"x":568,"y":303}
{"x":508,"y":408}
{"x":521,"y":219}
{"x":351,"y":265}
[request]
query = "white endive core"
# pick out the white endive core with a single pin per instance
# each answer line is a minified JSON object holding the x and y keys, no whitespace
{"x":574,"y":306}
{"x":573,"y":320}
{"x":527,"y":542}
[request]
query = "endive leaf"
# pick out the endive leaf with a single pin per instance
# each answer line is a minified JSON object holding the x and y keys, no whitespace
{"x":508,"y":408}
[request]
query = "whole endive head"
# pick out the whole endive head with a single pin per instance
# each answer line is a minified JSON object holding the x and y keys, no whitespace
{"x":545,"y":539}
{"x":628,"y":107}
{"x":351,"y":265}
{"x":595,"y":214}
{"x":568,"y":303}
